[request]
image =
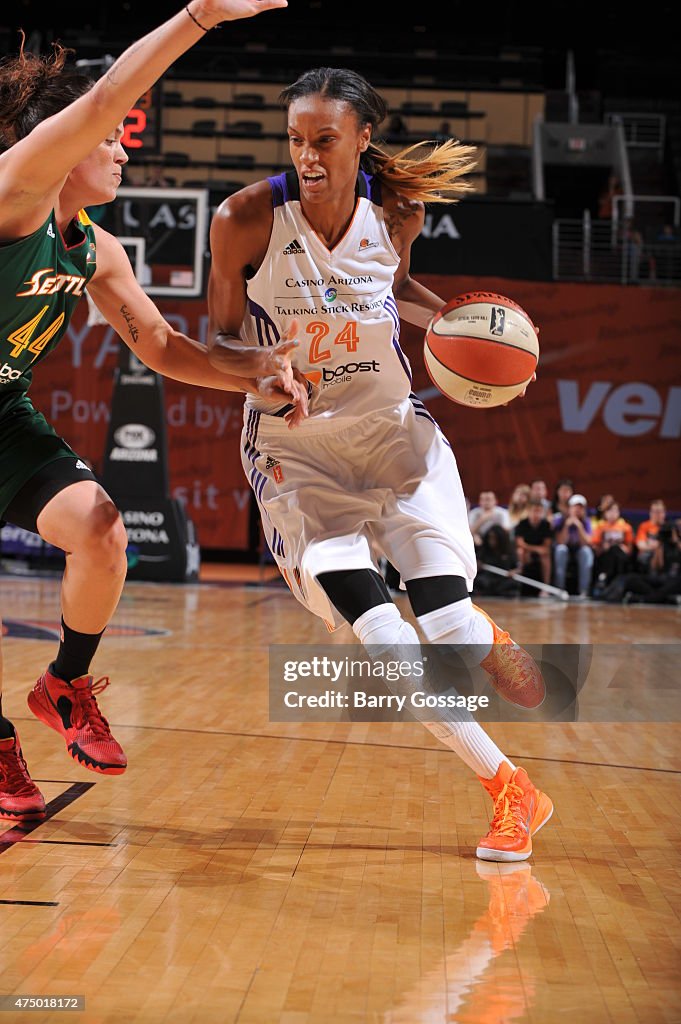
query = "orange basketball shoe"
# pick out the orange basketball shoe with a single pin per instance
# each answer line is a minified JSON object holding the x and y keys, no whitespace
{"x":71,"y":710}
{"x":20,"y":798}
{"x":520,"y":810}
{"x":513,"y":673}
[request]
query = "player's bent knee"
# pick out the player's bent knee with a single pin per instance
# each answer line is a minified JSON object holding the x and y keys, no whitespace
{"x":104,"y":533}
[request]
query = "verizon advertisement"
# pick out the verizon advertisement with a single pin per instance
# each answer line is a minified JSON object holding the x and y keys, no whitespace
{"x":605,"y":410}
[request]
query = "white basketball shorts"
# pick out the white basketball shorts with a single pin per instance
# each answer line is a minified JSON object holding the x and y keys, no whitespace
{"x":337,"y":499}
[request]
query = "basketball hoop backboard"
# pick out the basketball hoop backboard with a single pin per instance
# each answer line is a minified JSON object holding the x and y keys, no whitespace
{"x":164,"y":232}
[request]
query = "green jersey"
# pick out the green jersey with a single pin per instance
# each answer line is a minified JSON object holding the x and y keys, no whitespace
{"x":41,"y":280}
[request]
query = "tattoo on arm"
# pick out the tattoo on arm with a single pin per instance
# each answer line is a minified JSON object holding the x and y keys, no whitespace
{"x":113,"y":72}
{"x":397,"y":218}
{"x":133,"y":329}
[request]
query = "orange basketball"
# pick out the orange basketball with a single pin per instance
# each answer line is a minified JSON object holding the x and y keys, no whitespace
{"x":481,"y":349}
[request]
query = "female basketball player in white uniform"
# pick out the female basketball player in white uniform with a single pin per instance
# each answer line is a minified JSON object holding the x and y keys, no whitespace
{"x":324,"y":251}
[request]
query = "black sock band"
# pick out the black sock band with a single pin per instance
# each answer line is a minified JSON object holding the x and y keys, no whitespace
{"x":76,"y":651}
{"x":432,"y":592}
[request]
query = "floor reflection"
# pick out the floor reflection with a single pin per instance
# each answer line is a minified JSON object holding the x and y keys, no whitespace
{"x":481,"y":982}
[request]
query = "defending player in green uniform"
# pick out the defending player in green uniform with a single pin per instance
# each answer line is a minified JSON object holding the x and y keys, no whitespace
{"x":60,"y":151}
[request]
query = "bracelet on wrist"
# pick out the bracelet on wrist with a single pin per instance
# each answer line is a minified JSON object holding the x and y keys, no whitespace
{"x":196,"y":21}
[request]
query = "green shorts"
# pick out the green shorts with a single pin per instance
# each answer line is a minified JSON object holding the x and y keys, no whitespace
{"x":27,"y":444}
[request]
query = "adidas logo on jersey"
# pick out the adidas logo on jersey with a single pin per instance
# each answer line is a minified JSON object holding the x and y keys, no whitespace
{"x":294,"y":248}
{"x":81,"y":465}
{"x":50,"y":231}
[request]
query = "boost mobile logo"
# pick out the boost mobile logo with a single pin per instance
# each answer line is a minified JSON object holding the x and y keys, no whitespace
{"x":343,"y":373}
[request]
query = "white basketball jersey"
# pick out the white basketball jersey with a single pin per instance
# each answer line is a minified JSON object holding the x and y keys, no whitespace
{"x":342,"y":299}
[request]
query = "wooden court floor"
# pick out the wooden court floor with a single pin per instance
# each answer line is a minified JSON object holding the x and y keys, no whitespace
{"x":325,"y":873}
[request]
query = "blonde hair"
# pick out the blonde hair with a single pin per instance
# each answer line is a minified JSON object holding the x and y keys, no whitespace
{"x":428,"y":171}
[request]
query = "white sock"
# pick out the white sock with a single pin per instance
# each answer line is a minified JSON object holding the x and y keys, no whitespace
{"x":463,"y":627}
{"x":470,"y":741}
{"x":382,"y":628}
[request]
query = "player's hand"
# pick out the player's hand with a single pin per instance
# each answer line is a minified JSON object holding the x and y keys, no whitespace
{"x":532,"y":378}
{"x":271,"y":389}
{"x":276,"y":361}
{"x":282,"y":380}
{"x":212,"y":12}
{"x":522,"y":393}
{"x":300,"y":408}
{"x":534,"y":375}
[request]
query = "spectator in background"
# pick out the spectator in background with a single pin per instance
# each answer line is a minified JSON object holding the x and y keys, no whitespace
{"x":668,"y":253}
{"x":647,"y":541}
{"x":661,"y":584}
{"x":607,"y":196}
{"x":519,"y":504}
{"x":487,"y":514}
{"x":540,"y":492}
{"x":561,"y":497}
{"x":667,"y":233}
{"x":495,"y":550}
{"x":572,"y":532}
{"x":533,"y":541}
{"x":604,"y":503}
{"x":613,"y":543}
{"x":638,"y":260}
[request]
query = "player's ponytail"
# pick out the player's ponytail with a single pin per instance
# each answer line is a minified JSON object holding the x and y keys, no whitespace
{"x":429,"y":172}
{"x":33,"y":88}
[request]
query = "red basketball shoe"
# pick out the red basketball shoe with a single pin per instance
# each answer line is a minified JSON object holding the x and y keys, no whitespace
{"x":71,"y":710}
{"x":520,"y":810}
{"x":20,"y":798}
{"x":514,"y":674}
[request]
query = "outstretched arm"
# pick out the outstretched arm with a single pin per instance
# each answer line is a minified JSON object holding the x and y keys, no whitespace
{"x":141,"y":326}
{"x":32,"y":171}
